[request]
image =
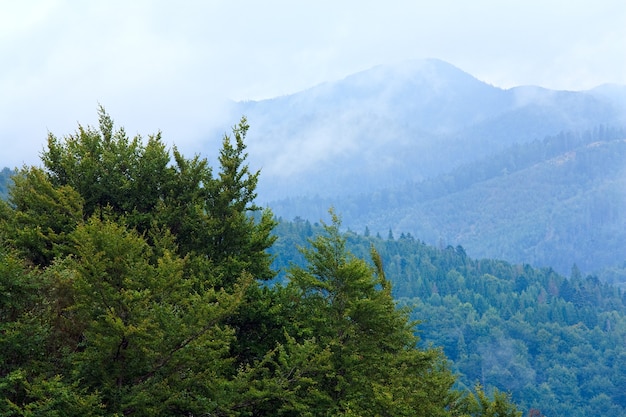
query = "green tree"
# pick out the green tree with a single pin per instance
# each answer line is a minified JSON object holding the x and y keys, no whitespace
{"x":39,"y":216}
{"x":481,"y":405}
{"x":153,"y":342}
{"x":209,"y":215}
{"x":30,"y":383}
{"x":147,"y":276}
{"x":375,"y":365}
{"x":234,"y":234}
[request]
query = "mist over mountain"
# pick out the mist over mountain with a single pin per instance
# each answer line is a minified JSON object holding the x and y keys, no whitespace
{"x":392,"y":124}
{"x":425,"y":148}
{"x":526,"y":174}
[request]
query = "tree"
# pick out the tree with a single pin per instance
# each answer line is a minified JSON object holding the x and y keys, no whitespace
{"x":109,"y":169}
{"x":480,"y":405}
{"x":209,"y":215}
{"x":150,"y":335}
{"x":233,"y":233}
{"x":30,"y":383}
{"x":375,"y":365}
{"x":39,"y":216}
{"x":147,"y":276}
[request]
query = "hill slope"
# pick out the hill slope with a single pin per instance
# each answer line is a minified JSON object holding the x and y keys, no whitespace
{"x":392,"y":124}
{"x":555,"y":202}
{"x":428,"y":149}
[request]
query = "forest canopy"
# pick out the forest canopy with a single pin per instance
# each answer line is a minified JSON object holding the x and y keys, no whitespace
{"x":133,"y":281}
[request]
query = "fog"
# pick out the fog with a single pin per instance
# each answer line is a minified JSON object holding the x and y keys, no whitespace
{"x":156,"y":65}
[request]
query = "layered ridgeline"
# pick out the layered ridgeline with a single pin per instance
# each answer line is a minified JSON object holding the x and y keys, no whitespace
{"x":525,"y":174}
{"x":555,"y":342}
{"x":556,"y":202}
{"x":392,"y":124}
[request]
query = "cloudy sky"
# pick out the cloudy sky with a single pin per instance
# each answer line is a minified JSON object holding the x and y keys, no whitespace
{"x":164,"y":65}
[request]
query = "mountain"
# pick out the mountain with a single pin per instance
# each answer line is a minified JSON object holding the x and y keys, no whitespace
{"x":392,"y":124}
{"x":555,"y":202}
{"x":525,"y":174}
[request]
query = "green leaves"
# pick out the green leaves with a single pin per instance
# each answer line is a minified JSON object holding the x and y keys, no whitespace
{"x":49,"y":397}
{"x":480,"y":405}
{"x":144,"y":323}
{"x":42,"y":216}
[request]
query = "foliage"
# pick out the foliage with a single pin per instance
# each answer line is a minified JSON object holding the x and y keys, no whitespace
{"x":136,"y":284}
{"x":554,"y":343}
{"x":374,"y":367}
{"x":480,"y":404}
{"x":147,"y":190}
{"x":44,"y":216}
{"x":125,"y":306}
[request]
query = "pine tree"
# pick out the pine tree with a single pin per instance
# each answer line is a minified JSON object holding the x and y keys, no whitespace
{"x":148,"y":275}
{"x":376,"y":367}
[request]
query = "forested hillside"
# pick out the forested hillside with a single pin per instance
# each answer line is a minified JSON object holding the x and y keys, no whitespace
{"x":525,"y":174}
{"x":555,"y":342}
{"x":134,"y":281}
{"x":551,"y":202}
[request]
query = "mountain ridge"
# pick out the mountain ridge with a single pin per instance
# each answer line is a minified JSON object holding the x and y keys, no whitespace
{"x":555,"y":202}
{"x":384,"y":126}
{"x":363,"y":143}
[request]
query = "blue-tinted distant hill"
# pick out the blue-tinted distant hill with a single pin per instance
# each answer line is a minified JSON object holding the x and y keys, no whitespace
{"x":5,"y":180}
{"x":556,"y":202}
{"x":392,"y":124}
{"x":427,"y":149}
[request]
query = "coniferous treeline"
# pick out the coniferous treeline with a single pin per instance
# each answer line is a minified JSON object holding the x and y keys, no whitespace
{"x":555,"y":343}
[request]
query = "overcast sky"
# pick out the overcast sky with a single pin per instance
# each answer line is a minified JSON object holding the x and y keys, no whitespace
{"x":164,"y":65}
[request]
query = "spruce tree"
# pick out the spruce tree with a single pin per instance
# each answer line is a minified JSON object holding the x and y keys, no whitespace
{"x":375,"y":365}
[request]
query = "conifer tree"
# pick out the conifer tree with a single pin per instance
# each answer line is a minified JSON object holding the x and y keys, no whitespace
{"x":375,"y":365}
{"x":148,"y":271}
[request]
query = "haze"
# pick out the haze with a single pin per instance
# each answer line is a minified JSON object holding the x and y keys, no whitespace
{"x":159,"y":65}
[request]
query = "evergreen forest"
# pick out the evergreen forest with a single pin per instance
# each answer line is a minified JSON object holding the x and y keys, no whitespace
{"x":555,"y":343}
{"x":136,"y":281}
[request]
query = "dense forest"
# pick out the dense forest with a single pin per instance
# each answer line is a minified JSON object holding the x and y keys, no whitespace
{"x":555,"y":343}
{"x":136,"y":281}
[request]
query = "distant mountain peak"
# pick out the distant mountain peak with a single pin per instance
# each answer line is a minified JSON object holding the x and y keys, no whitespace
{"x":401,"y":122}
{"x":430,"y":74}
